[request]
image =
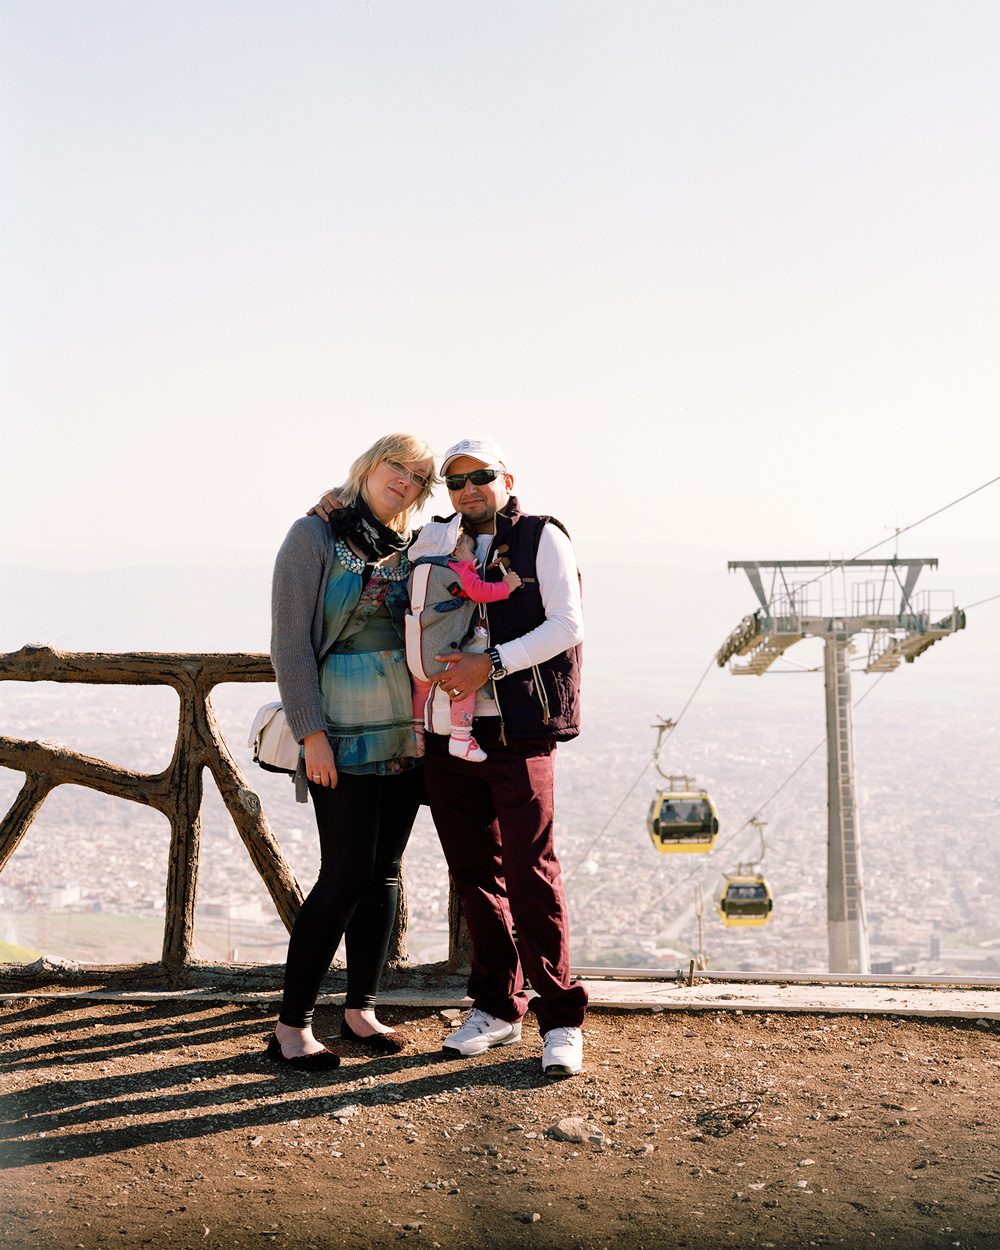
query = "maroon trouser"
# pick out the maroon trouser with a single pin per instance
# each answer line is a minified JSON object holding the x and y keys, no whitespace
{"x":495,"y":824}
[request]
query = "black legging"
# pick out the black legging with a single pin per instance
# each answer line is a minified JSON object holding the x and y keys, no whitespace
{"x":364,"y":823}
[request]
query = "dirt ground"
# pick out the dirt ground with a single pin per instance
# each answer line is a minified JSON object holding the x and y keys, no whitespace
{"x":163,"y":1124}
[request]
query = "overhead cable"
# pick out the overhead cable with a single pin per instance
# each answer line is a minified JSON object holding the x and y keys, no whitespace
{"x":645,"y":768}
{"x":841,"y":564}
{"x":936,"y":512}
{"x":979,"y":603}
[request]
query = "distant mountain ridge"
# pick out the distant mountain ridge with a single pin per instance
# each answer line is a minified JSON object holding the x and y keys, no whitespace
{"x":650,"y":630}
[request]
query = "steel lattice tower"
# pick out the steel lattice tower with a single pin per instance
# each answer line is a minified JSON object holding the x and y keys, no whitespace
{"x":899,"y":628}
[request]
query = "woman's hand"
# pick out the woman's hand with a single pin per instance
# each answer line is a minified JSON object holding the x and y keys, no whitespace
{"x":320,"y":765}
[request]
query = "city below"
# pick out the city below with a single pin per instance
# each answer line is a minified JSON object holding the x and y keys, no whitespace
{"x":87,"y":883}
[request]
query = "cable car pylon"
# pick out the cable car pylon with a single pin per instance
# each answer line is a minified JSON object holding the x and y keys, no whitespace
{"x":901,"y":627}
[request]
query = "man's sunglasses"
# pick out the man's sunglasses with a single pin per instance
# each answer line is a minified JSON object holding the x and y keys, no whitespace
{"x":478,"y":477}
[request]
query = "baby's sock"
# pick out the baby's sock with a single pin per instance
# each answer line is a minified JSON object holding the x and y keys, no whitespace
{"x":463,"y":746}
{"x":418,"y":729}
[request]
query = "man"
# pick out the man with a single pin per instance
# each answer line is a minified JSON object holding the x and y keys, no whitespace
{"x":495,"y":818}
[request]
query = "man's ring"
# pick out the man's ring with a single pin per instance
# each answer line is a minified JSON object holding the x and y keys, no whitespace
{"x":316,"y":776}
{"x":455,"y":690}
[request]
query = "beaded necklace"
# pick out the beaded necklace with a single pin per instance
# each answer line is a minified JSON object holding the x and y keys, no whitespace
{"x":356,"y":565}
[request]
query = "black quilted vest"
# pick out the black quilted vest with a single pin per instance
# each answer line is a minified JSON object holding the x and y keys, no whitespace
{"x":544,"y":701}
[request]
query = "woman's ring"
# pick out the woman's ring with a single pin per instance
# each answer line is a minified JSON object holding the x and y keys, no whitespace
{"x":455,"y":691}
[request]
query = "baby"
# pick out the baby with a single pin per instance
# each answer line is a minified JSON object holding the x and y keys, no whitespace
{"x":434,"y":546}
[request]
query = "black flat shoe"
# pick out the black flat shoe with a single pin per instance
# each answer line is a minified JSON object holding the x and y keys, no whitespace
{"x":377,"y":1043}
{"x":321,"y":1061}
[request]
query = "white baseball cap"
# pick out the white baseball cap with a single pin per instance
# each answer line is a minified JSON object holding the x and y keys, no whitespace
{"x":485,"y":450}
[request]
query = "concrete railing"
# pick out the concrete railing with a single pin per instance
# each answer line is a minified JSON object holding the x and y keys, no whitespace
{"x":176,"y":791}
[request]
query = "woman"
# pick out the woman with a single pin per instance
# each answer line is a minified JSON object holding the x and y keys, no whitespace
{"x":338,"y":601}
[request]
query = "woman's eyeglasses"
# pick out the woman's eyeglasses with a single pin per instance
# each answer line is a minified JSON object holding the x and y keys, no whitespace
{"x":417,"y":479}
{"x":478,"y":477}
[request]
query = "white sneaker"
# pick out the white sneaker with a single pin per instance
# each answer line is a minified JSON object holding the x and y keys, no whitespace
{"x":562,"y":1052}
{"x":481,"y":1031}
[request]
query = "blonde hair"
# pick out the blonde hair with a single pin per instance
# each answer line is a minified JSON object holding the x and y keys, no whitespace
{"x":403,"y":447}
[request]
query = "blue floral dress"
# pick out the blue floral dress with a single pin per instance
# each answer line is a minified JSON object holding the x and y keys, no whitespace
{"x":363,"y":678}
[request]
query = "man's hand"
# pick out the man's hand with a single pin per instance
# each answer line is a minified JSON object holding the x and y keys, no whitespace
{"x":330,"y":502}
{"x":467,"y":673}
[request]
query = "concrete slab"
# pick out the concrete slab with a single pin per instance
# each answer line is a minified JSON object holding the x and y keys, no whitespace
{"x":829,"y":999}
{"x":937,"y":1002}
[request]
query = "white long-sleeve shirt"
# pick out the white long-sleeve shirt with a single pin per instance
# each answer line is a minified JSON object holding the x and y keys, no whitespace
{"x":559,"y":585}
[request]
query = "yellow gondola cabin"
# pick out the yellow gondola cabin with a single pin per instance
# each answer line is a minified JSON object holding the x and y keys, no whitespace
{"x":682,"y":819}
{"x":745,"y":900}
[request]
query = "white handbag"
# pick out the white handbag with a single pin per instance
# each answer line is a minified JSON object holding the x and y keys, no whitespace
{"x":274,"y":745}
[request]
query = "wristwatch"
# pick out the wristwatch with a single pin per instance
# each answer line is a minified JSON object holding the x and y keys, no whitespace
{"x":498,"y":669}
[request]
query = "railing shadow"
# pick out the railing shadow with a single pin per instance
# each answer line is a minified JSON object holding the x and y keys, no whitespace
{"x":195,"y":1097}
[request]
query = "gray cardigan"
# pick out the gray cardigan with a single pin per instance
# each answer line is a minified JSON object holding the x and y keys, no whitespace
{"x":298,"y":590}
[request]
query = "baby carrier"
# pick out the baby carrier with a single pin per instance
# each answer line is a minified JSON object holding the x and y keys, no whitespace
{"x":438,"y":620}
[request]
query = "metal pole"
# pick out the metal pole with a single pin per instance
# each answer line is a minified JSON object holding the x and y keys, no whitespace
{"x":847,"y":924}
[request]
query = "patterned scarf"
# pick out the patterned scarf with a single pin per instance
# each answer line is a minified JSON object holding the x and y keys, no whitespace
{"x":358,"y":524}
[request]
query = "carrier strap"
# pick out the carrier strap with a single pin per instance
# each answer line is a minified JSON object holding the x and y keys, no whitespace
{"x":411,"y":625}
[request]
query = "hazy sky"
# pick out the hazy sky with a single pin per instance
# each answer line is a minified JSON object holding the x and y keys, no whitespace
{"x":721,"y":276}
